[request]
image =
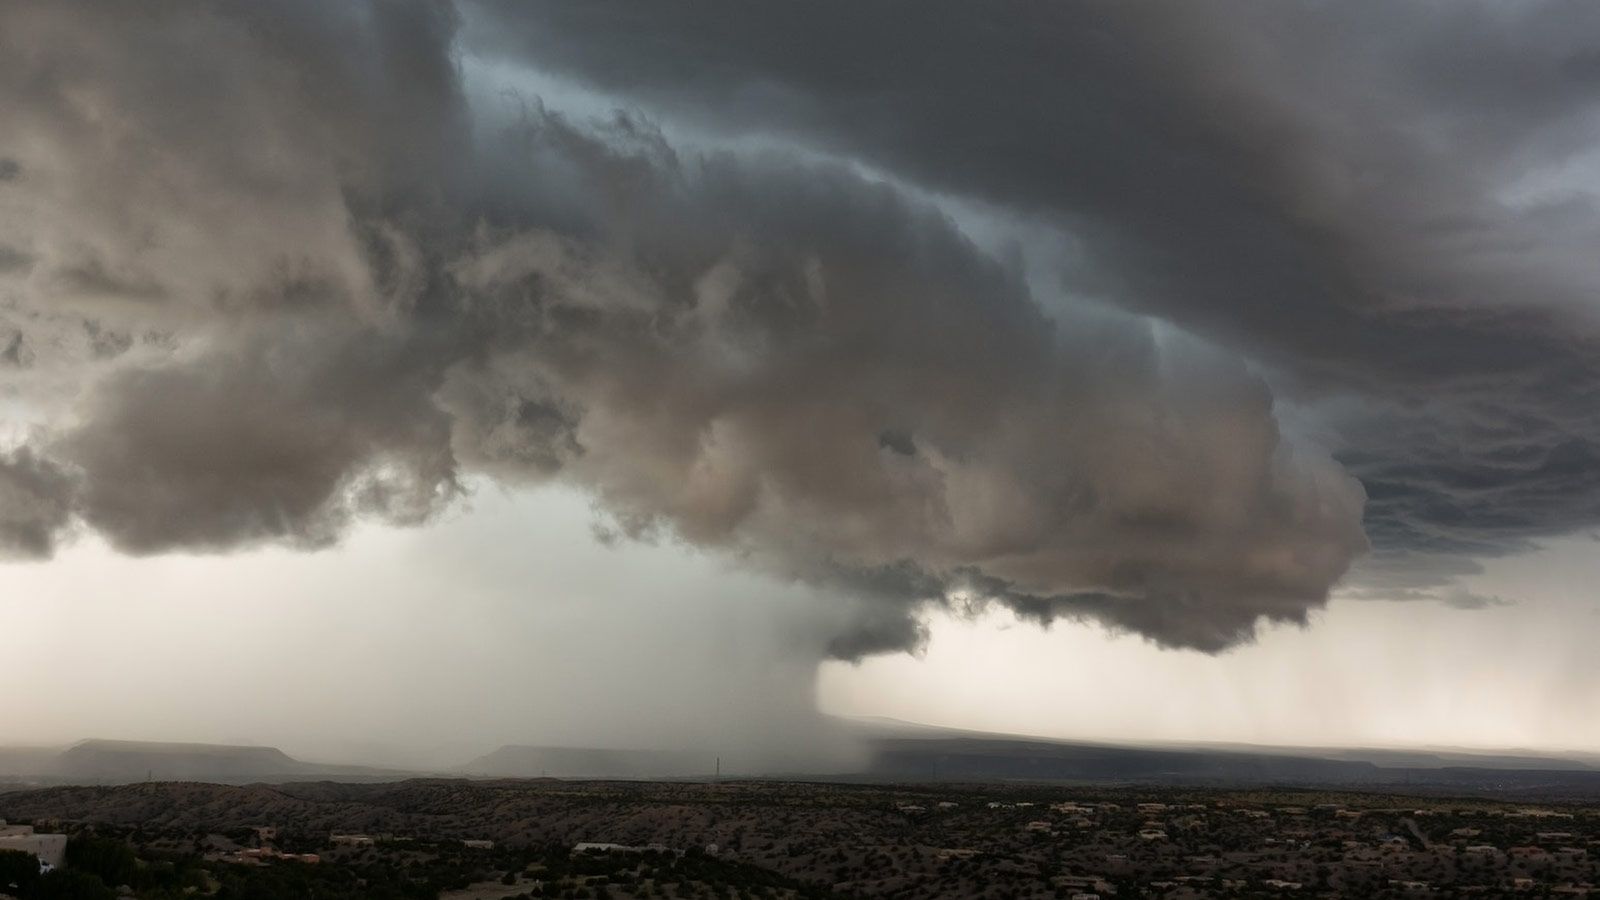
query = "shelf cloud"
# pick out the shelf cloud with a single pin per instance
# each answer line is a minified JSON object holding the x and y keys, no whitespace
{"x":266,"y":271}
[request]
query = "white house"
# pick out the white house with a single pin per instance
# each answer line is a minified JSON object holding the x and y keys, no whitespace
{"x":51,"y":849}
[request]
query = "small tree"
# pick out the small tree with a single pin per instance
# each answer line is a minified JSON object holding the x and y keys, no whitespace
{"x":19,"y":872}
{"x":69,"y":884}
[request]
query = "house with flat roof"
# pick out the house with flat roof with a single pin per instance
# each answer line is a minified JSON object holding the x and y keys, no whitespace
{"x":50,"y":849}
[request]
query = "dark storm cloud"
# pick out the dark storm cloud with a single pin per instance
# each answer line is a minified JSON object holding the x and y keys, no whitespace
{"x":12,"y":259}
{"x":1376,"y":201}
{"x":228,"y":203}
{"x":285,"y":442}
{"x":732,"y":385}
{"x":309,"y":279}
{"x":34,"y":505}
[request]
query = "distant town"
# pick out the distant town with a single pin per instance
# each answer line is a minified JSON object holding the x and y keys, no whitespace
{"x":488,"y":840}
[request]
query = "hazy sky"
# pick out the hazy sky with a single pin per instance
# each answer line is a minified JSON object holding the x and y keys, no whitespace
{"x":400,"y":379}
{"x":509,"y":623}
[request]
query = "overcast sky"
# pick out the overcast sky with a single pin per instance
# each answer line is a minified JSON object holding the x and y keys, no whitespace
{"x":400,"y":379}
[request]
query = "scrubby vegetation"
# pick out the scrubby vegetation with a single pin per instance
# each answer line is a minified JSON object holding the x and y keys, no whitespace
{"x":455,"y":840}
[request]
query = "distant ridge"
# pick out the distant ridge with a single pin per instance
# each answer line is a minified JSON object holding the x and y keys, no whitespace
{"x":888,"y":734}
{"x":101,"y":760}
{"x":97,"y":761}
{"x":893,"y":751}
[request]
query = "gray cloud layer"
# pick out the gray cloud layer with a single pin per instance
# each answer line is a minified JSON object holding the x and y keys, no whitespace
{"x":1383,"y":204}
{"x":306,"y":278}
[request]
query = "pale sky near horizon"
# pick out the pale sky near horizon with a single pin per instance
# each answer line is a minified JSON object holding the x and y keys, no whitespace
{"x":382,"y":650}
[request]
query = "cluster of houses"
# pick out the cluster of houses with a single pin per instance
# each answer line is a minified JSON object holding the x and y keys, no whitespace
{"x":257,"y":856}
{"x":51,"y":849}
{"x":367,"y":840}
